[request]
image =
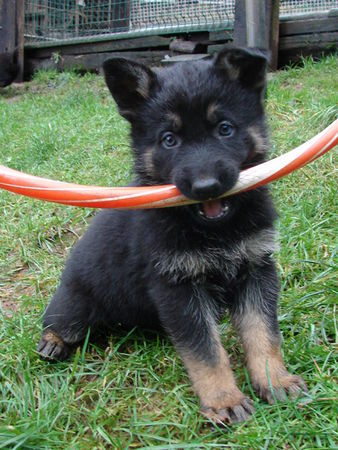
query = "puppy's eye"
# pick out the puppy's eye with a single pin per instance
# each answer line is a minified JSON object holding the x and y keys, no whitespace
{"x":169,"y":140}
{"x":226,"y":129}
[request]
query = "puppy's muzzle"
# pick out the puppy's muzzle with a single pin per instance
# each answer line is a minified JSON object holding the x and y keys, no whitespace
{"x":206,"y":188}
{"x":206,"y":183}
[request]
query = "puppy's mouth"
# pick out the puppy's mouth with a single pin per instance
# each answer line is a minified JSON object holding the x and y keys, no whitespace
{"x":213,"y":210}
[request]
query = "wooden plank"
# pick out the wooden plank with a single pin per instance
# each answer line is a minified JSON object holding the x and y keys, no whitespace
{"x":215,"y":48}
{"x":308,"y":26}
{"x":224,"y":35}
{"x":309,"y":40}
{"x":90,"y":62}
{"x":184,"y":58}
{"x":183,"y":46}
{"x":101,"y":47}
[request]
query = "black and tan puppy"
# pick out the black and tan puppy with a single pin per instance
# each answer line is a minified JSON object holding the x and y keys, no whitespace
{"x":195,"y":125}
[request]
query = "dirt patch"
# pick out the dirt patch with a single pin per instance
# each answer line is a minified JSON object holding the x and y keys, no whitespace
{"x":15,"y":91}
{"x":12,"y":287}
{"x":292,"y":85}
{"x":59,"y":241}
{"x":9,"y":307}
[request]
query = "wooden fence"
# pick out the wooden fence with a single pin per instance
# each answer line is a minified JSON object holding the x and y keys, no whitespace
{"x":256,"y":23}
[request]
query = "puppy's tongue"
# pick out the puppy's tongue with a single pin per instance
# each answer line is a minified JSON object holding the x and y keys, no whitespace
{"x":212,"y":208}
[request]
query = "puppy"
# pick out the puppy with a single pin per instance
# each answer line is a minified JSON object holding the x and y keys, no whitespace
{"x":196,"y":125}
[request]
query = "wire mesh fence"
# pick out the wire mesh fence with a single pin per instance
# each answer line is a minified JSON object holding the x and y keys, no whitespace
{"x":68,"y":19}
{"x":290,"y":7}
{"x":193,"y":13}
{"x":59,"y":20}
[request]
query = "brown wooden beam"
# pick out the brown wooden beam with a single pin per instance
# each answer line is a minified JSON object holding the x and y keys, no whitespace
{"x":91,"y":61}
{"x":184,"y":46}
{"x":308,"y":26}
{"x":310,"y":41}
{"x":146,"y":42}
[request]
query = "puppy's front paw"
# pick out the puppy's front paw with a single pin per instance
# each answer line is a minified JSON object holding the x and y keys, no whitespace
{"x":232,"y":411}
{"x":52,"y":347}
{"x":287,"y":386}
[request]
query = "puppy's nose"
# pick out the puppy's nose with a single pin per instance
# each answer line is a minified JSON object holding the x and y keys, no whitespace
{"x":206,"y":188}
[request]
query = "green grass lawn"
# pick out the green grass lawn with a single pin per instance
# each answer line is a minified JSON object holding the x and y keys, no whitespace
{"x":133,"y":392}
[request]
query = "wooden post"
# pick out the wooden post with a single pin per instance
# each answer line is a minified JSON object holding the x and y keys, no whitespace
{"x":256,"y":25}
{"x":20,"y":34}
{"x":8,"y":26}
{"x":11,"y":41}
{"x":240,"y":39}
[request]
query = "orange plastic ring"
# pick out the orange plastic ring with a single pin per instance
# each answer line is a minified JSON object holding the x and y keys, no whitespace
{"x":162,"y":196}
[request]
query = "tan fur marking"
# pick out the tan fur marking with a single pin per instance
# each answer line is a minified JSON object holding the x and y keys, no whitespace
{"x":232,"y":71}
{"x":262,"y":355}
{"x":269,"y":376}
{"x":194,"y":264}
{"x":176,"y":121}
{"x":211,"y":112}
{"x":51,"y":337}
{"x":214,"y":384}
{"x":143,"y":91}
{"x":260,"y":142}
{"x":148,"y":161}
{"x":143,"y":82}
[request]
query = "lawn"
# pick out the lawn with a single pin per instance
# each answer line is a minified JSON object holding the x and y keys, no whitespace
{"x":133,"y":392}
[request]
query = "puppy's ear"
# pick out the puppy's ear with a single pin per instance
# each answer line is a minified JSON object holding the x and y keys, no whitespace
{"x":130,"y":84}
{"x":246,"y":65}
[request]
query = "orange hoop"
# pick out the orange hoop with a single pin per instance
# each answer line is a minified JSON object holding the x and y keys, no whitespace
{"x":162,"y":196}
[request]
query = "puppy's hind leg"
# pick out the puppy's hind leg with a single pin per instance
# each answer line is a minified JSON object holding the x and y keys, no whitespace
{"x":65,"y":322}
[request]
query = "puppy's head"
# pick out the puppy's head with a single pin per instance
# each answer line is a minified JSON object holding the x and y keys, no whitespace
{"x":194,"y":124}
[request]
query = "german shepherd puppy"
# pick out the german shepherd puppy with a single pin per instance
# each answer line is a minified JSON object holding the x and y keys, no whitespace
{"x":196,"y":125}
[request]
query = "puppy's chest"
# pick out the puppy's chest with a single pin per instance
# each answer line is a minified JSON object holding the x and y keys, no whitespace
{"x":199,"y":264}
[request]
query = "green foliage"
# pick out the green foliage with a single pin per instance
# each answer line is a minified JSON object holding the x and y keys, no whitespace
{"x":133,"y":392}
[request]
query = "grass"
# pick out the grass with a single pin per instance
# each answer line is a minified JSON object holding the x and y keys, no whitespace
{"x":133,"y":392}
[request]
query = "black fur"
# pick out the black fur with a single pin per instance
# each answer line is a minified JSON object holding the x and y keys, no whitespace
{"x":8,"y":67}
{"x":178,"y":268}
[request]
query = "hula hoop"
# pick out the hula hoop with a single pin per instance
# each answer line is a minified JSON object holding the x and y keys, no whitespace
{"x":163,"y":196}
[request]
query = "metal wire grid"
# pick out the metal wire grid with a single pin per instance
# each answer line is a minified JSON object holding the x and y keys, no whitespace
{"x":59,"y":20}
{"x":171,"y":13}
{"x":47,"y":20}
{"x":306,"y":6}
{"x":66,"y":19}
